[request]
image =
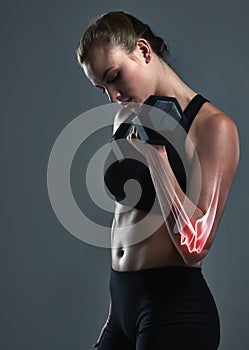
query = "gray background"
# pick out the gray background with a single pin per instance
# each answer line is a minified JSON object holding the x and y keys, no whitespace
{"x":54,"y":287}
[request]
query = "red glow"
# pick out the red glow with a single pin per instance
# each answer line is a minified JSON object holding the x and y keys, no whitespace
{"x":195,"y":234}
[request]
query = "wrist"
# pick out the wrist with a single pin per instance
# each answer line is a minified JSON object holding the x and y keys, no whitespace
{"x":156,"y":151}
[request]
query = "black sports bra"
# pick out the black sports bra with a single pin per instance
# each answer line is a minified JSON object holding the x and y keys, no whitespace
{"x":126,"y":174}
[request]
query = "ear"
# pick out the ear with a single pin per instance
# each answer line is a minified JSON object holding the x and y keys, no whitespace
{"x":145,"y":49}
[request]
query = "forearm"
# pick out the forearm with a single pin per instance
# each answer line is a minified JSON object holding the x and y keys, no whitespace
{"x":189,"y":227}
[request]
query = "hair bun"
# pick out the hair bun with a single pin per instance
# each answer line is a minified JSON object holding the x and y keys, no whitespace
{"x":162,"y":50}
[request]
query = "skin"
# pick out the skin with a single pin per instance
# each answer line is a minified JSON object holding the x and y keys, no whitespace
{"x":134,"y":77}
{"x":113,"y":70}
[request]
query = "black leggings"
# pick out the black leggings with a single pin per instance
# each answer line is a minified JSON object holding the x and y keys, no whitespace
{"x":165,"y":308}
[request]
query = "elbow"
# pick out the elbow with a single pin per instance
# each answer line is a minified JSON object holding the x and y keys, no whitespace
{"x":193,"y":244}
{"x":193,"y":258}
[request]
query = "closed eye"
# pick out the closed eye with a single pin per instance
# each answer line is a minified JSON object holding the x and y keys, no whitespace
{"x":116,"y":77}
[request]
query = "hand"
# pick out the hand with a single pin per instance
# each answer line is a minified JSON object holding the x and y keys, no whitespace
{"x":96,"y":345}
{"x":142,"y":147}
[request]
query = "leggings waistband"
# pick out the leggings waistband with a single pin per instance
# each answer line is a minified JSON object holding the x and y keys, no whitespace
{"x":166,"y":278}
{"x":160,"y":269}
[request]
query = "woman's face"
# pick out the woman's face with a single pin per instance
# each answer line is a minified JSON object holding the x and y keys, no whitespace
{"x":124,"y":77}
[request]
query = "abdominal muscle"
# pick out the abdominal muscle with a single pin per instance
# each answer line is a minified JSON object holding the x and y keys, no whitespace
{"x":140,"y":240}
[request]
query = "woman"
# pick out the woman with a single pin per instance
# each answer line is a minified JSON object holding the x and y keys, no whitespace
{"x":159,"y":298}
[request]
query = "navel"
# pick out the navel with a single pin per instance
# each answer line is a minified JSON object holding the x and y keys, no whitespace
{"x":120,"y":252}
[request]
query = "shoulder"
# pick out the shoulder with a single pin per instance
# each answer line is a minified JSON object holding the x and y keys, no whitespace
{"x":216,"y":138}
{"x":213,"y":126}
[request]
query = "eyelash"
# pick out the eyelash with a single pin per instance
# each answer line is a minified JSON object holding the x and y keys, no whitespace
{"x":111,"y":81}
{"x":115,"y":78}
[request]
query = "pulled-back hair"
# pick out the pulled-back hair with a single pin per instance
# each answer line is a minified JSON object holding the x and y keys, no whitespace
{"x":119,"y":29}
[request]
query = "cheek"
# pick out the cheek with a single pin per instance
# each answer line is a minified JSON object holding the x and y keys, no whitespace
{"x":136,"y":82}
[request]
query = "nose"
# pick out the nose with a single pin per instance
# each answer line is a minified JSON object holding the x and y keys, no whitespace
{"x":114,"y":95}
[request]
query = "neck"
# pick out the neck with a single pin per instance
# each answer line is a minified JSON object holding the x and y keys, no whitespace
{"x":171,"y":85}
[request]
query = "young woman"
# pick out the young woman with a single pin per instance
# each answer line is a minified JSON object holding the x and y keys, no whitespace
{"x":159,"y":298}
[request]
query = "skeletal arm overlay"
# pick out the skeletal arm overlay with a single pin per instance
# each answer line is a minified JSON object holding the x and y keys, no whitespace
{"x":192,"y":224}
{"x":193,"y":231}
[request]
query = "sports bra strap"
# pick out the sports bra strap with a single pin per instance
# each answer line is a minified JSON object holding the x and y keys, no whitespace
{"x":193,"y":108}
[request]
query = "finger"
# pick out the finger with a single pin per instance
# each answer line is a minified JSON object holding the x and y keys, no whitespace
{"x":131,"y":134}
{"x":136,"y":133}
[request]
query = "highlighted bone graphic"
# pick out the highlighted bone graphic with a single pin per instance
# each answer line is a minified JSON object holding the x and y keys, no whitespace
{"x":194,"y":233}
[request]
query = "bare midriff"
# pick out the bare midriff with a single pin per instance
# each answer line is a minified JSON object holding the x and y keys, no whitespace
{"x":140,"y":240}
{"x":147,"y":245}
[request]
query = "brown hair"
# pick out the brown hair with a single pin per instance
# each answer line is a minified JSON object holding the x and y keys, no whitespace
{"x":119,"y":29}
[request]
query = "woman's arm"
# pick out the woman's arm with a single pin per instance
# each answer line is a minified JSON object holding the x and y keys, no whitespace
{"x":97,"y":343}
{"x":192,"y":224}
